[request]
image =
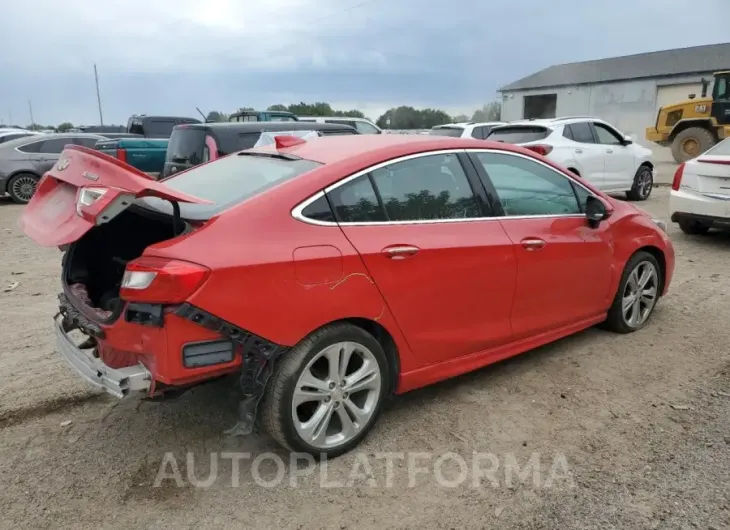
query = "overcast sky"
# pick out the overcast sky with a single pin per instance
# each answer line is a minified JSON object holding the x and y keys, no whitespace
{"x":169,"y":56}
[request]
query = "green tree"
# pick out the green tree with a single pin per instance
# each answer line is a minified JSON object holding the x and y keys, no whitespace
{"x":489,"y":112}
{"x":214,"y":116}
{"x":278,"y":107}
{"x":409,"y":118}
{"x":461,"y":118}
{"x":65,"y":126}
{"x":245,"y":109}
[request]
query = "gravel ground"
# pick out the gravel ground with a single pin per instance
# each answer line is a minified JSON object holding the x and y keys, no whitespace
{"x":622,"y":431}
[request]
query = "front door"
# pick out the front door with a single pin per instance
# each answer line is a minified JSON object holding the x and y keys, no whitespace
{"x":620,"y":159}
{"x":563,"y":265}
{"x":446,"y":272}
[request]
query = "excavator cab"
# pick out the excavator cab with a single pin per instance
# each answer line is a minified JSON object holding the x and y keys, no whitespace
{"x":693,"y":126}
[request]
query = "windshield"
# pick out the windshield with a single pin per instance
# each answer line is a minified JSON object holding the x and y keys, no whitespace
{"x":518,"y":135}
{"x":186,"y":146}
{"x":228,"y":181}
{"x":721,"y":149}
{"x":447,"y":131}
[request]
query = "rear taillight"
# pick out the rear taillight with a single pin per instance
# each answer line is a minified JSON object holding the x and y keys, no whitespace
{"x":540,"y":149}
{"x":677,"y":181}
{"x":122,"y":155}
{"x":161,"y":280}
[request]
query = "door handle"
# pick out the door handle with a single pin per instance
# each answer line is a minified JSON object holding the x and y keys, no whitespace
{"x":609,"y":150}
{"x":400,"y":251}
{"x":579,"y":151}
{"x":533,"y":244}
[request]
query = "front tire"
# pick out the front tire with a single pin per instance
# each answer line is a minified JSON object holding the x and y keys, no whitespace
{"x":643,"y":184}
{"x":326,"y":394}
{"x":691,"y":143}
{"x":22,"y":186}
{"x":637,"y":295}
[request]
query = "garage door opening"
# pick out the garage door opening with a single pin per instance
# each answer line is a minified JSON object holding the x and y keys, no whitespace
{"x":542,"y":106}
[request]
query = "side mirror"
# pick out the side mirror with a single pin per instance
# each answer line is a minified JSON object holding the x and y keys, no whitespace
{"x":628,"y":140}
{"x":595,"y":211}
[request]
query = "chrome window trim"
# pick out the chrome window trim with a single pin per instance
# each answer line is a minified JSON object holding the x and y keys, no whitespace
{"x":297,"y":214}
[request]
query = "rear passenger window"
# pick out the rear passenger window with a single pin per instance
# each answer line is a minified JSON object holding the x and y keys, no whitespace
{"x":319,"y":210}
{"x":582,"y":133}
{"x":426,"y":188}
{"x":568,"y":132}
{"x":357,"y":202}
{"x":479,"y":133}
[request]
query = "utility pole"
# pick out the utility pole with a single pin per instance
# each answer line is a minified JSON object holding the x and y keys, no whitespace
{"x":98,"y":96}
{"x":30,"y":108}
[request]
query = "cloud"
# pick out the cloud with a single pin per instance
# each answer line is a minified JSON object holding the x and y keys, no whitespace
{"x":169,"y":56}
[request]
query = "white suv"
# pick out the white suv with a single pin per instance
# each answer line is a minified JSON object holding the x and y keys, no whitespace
{"x":363,"y":126}
{"x":467,"y":129}
{"x":700,"y":196}
{"x":589,"y":147}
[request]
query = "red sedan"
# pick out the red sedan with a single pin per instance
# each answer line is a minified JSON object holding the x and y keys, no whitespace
{"x":332,"y":273}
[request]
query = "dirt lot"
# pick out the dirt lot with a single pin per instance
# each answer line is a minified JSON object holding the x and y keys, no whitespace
{"x":638,"y":424}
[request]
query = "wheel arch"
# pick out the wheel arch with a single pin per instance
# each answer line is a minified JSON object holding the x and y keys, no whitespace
{"x":9,"y":178}
{"x":384,"y":338}
{"x":661,"y":259}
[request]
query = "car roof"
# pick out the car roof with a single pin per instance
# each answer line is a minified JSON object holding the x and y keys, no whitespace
{"x":49,"y":136}
{"x":261,"y":126}
{"x":553,"y":122}
{"x":333,"y":149}
{"x":351,"y":118}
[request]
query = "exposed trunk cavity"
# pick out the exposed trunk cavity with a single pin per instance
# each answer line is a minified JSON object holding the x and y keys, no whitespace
{"x":94,"y":265}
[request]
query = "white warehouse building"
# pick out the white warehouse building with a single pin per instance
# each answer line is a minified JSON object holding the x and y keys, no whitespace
{"x":625,"y":91}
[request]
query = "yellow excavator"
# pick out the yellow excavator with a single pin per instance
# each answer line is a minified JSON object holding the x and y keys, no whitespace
{"x":692,"y":126}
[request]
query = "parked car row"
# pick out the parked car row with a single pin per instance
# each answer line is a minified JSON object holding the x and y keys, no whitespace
{"x":360,"y":268}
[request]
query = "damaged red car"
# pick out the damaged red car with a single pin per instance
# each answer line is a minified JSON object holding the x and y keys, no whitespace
{"x":332,"y":273}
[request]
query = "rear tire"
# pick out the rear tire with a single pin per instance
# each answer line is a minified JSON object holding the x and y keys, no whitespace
{"x":21,"y":187}
{"x":643,"y":184}
{"x":691,"y":143}
{"x":626,"y":314}
{"x":296,"y":427}
{"x":693,"y":227}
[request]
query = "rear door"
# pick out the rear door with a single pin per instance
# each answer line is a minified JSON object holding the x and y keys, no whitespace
{"x":446,"y":270}
{"x":83,"y":189}
{"x":48,"y":152}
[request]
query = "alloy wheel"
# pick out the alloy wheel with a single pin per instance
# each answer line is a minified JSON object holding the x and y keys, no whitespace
{"x":644,"y":183}
{"x":336,"y":395}
{"x":640,"y":294}
{"x":23,"y":188}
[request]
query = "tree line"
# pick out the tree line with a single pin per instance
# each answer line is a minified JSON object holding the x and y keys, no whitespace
{"x":403,"y":117}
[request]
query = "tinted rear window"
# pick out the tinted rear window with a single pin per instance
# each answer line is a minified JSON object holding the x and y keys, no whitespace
{"x":721,"y":149}
{"x":228,"y":181}
{"x":447,"y":131}
{"x":518,"y":135}
{"x":186,"y":146}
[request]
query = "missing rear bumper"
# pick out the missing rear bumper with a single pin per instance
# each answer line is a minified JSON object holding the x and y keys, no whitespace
{"x":259,"y":356}
{"x":119,"y":382}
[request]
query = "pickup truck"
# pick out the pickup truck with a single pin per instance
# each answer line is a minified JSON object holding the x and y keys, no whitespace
{"x":147,"y":151}
{"x":146,"y":154}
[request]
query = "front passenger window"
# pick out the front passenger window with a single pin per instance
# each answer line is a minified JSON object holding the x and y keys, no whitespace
{"x":606,"y":136}
{"x":527,"y":188}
